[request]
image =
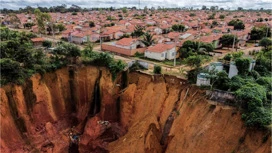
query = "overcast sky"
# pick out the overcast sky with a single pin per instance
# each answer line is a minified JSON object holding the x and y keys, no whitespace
{"x":232,"y":4}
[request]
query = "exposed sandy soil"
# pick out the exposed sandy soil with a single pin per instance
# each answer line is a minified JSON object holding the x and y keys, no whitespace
{"x":153,"y":114}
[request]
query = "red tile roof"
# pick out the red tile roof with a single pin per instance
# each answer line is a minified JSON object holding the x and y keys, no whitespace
{"x":126,"y":41}
{"x":39,"y":39}
{"x":159,"y":48}
{"x":173,"y":35}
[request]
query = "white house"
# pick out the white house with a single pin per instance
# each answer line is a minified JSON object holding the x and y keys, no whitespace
{"x":79,"y":38}
{"x":158,"y":30}
{"x":161,"y":52}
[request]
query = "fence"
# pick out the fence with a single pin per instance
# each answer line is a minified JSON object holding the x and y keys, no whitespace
{"x":123,"y":51}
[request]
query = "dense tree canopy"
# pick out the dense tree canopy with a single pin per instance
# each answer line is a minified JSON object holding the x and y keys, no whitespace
{"x":227,"y":40}
{"x":265,"y":42}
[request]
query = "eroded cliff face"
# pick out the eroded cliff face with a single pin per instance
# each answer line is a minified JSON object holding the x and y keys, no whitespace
{"x":152,"y":114}
{"x":161,"y":115}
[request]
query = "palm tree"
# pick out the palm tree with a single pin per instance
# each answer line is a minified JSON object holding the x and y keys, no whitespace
{"x":148,"y":39}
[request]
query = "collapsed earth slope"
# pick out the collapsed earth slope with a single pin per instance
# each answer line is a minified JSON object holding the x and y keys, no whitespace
{"x":135,"y":113}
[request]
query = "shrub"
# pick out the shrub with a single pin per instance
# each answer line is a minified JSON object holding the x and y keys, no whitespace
{"x":157,"y":69}
{"x":11,"y":71}
{"x":47,"y":43}
{"x":242,"y":65}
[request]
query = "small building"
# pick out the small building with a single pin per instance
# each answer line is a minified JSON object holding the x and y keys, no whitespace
{"x":217,"y":66}
{"x":37,"y":41}
{"x":161,"y":52}
{"x":78,"y":38}
{"x":129,"y":43}
{"x":203,"y":79}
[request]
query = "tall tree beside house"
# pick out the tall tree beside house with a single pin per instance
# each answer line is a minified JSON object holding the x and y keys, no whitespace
{"x":239,"y":25}
{"x":193,"y":47}
{"x":138,"y":31}
{"x":233,"y":22}
{"x":148,"y":39}
{"x":41,"y":19}
{"x":227,"y":40}
{"x":259,"y":33}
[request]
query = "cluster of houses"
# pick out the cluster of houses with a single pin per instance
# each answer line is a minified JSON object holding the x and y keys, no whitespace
{"x":110,"y":27}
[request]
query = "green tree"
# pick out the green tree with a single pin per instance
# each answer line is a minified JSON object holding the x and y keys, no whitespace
{"x":178,"y":27}
{"x":91,"y":24}
{"x":138,"y":31}
{"x":236,"y":55}
{"x":222,"y":17}
{"x":47,"y":44}
{"x":41,"y":19}
{"x":148,"y":39}
{"x":69,"y":51}
{"x":11,"y":71}
{"x":242,"y":65}
{"x":227,"y":57}
{"x":227,"y":40}
{"x":222,"y":81}
{"x":252,"y":98}
{"x":61,"y":27}
{"x":233,"y":22}
{"x":239,"y":25}
{"x":256,"y":34}
{"x":265,"y":42}
{"x":192,"y":14}
{"x":194,"y":61}
{"x":124,"y":10}
{"x":157,"y":69}
{"x":265,"y":82}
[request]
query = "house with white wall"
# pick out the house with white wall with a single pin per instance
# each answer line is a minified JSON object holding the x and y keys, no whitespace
{"x":129,"y":43}
{"x":161,"y":52}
